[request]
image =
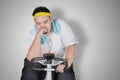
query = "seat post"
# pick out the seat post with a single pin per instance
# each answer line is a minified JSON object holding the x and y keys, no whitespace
{"x":49,"y":58}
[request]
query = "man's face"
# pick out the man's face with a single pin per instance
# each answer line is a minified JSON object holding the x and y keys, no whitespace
{"x":45,"y":22}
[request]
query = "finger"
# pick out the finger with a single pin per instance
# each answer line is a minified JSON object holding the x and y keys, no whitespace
{"x":41,"y":30}
{"x":60,"y":69}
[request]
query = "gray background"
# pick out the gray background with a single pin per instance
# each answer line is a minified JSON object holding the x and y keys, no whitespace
{"x":95,"y":22}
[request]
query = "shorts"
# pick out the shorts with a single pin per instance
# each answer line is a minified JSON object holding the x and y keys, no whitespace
{"x":28,"y":73}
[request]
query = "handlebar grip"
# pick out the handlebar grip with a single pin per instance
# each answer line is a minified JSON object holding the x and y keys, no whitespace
{"x":64,"y":62}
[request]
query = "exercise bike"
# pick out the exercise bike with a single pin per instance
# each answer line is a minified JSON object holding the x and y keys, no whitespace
{"x":48,"y":59}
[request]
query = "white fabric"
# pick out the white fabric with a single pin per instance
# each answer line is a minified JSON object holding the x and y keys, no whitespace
{"x":56,"y":42}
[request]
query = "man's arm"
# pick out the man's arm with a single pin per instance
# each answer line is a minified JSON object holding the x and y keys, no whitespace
{"x":35,"y":48}
{"x":70,"y":50}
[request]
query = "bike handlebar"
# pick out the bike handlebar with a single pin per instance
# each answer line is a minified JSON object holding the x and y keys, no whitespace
{"x":42,"y":58}
{"x":48,"y":61}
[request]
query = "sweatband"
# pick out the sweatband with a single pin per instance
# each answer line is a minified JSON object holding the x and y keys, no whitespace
{"x":42,"y":14}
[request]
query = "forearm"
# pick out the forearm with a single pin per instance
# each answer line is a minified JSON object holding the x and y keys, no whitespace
{"x":70,"y":54}
{"x":35,"y":48}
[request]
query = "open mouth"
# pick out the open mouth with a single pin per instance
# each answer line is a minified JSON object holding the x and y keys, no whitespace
{"x":45,"y":32}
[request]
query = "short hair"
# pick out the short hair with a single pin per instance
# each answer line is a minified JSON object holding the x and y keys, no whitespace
{"x":40,"y":9}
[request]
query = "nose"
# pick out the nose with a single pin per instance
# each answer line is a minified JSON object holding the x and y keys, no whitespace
{"x":42,"y":25}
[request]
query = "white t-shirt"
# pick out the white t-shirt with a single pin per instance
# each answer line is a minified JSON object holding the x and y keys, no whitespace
{"x":56,"y":42}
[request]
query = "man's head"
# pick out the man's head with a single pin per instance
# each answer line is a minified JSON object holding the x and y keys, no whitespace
{"x":42,"y":18}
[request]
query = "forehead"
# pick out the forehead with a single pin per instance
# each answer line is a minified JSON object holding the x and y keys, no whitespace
{"x":42,"y":18}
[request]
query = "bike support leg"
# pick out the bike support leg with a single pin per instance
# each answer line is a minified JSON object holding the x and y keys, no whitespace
{"x":49,"y":73}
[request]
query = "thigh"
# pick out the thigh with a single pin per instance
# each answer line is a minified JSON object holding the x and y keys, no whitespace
{"x":29,"y":74}
{"x":66,"y":75}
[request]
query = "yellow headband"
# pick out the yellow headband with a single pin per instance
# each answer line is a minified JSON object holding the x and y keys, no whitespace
{"x":42,"y":14}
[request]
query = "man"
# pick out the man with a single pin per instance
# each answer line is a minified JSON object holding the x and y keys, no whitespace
{"x":49,"y":36}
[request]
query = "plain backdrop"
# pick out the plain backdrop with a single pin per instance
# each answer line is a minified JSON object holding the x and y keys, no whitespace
{"x":95,"y":22}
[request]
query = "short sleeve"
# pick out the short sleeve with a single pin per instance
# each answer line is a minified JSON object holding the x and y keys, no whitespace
{"x":67,"y":35}
{"x":29,"y":41}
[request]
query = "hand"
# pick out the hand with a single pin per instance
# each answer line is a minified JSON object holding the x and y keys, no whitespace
{"x":60,"y":68}
{"x":41,"y":30}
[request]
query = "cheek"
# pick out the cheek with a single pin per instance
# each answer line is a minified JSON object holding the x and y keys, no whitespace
{"x":48,"y":26}
{"x":37,"y":26}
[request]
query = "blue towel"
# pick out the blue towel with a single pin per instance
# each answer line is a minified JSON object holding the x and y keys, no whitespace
{"x":56,"y":30}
